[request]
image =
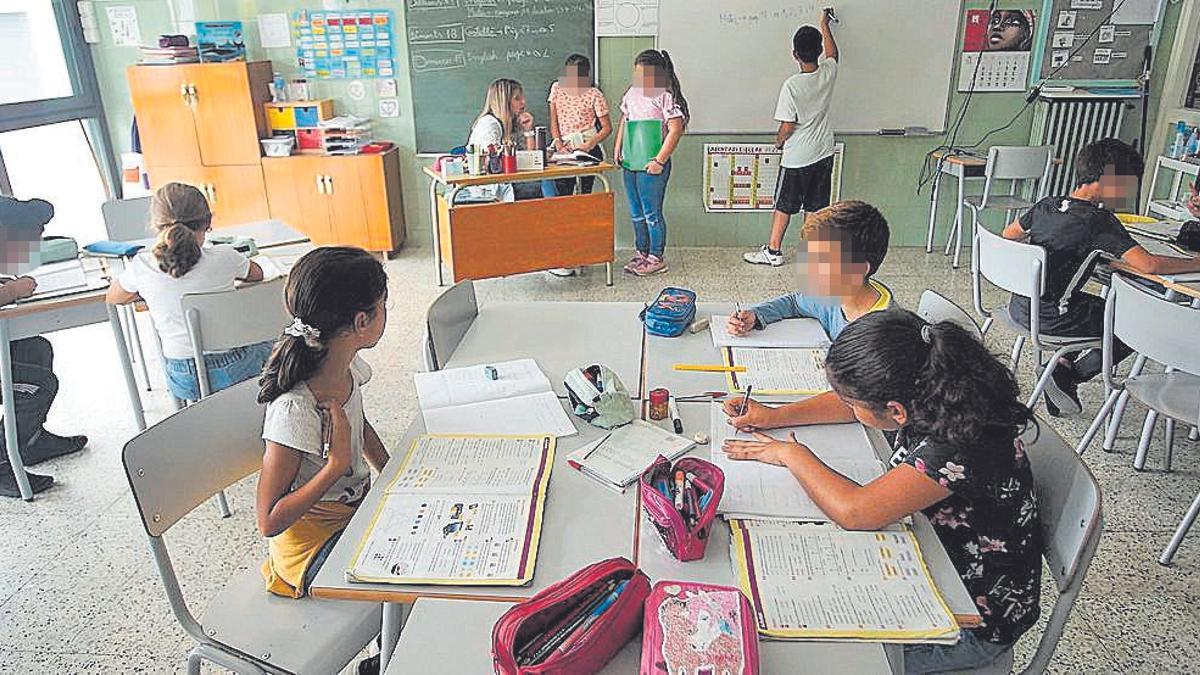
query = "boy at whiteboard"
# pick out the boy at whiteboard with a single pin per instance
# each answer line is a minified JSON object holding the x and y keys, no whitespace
{"x":805,"y":136}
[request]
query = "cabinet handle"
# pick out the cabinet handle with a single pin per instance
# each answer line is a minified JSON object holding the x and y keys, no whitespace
{"x":192,"y":93}
{"x":328,"y":184}
{"x":183,"y":91}
{"x":212,"y":193}
{"x":320,"y":185}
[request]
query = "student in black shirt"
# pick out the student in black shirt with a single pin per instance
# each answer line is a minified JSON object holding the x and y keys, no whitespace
{"x":1076,"y":232}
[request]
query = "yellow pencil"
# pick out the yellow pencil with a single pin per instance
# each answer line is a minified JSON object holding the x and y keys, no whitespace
{"x":707,"y":368}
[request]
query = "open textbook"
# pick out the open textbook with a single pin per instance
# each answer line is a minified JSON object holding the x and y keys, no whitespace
{"x":620,"y":457}
{"x":777,"y":371}
{"x":757,"y":490}
{"x":464,"y":510}
{"x":805,"y":333}
{"x":466,"y":401}
{"x":816,"y":582}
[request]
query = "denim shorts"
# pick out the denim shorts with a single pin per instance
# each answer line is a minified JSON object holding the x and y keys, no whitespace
{"x":969,"y":653}
{"x":225,"y":369}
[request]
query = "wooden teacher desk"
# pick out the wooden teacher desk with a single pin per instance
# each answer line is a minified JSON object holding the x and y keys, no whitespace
{"x":481,"y":241}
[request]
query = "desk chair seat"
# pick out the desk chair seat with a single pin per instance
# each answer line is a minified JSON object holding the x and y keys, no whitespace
{"x":1176,"y":395}
{"x":296,"y":636}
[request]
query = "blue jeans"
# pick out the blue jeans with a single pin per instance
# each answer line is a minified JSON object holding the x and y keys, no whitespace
{"x":970,"y":652}
{"x":225,"y":369}
{"x":645,"y":193}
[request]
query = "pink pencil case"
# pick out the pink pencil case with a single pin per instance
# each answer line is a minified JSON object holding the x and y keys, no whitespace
{"x":549,"y":611}
{"x":698,"y":629}
{"x":685,"y":538}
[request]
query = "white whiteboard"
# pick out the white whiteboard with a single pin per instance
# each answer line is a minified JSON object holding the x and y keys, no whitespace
{"x":732,"y":56}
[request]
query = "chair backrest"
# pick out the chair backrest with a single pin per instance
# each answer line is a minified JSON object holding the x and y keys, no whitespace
{"x":181,"y":462}
{"x":448,"y":320}
{"x":1154,"y":327}
{"x":935,"y":307}
{"x":1013,"y":266}
{"x":126,"y":219}
{"x":227,"y":319}
{"x":1018,"y":162}
{"x":1069,"y":503}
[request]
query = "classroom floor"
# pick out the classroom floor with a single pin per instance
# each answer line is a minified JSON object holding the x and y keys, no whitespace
{"x":79,"y":594}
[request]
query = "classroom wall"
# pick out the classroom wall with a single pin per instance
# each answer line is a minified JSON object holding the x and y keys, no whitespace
{"x":880,"y":170}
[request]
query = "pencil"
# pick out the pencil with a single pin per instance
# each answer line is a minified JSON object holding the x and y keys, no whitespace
{"x":745,"y":401}
{"x":709,"y":368}
{"x":595,"y":447}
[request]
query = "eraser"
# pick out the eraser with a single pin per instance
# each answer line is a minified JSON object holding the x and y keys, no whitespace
{"x":701,"y":439}
{"x":698,"y":325}
{"x":490,"y":373}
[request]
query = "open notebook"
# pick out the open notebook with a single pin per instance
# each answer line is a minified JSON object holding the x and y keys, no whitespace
{"x":465,"y":401}
{"x":788,"y":333}
{"x":618,"y":458}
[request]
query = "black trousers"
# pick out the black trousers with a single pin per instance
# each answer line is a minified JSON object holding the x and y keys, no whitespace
{"x":34,"y":387}
{"x":1085,"y":319}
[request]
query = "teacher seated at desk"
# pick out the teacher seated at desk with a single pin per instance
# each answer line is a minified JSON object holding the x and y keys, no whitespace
{"x":504,"y":119}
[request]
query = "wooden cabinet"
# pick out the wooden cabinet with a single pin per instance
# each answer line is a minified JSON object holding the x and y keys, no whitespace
{"x":235,"y":193}
{"x":347,"y":200}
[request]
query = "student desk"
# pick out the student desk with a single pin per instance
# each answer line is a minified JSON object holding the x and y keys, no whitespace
{"x":424,"y":647}
{"x":1183,"y":284}
{"x":35,"y":317}
{"x":559,"y":336}
{"x":481,"y":241}
{"x":575,"y":532}
{"x":961,"y":167}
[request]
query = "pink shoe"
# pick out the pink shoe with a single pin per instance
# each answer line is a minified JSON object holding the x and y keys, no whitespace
{"x":635,"y":262}
{"x":651,"y":265}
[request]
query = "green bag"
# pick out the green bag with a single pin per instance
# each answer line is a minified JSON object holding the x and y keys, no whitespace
{"x":599,"y":397}
{"x":642,"y":142}
{"x":58,"y":249}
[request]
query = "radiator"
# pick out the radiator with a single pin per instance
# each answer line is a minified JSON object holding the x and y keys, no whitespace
{"x":1068,"y":124}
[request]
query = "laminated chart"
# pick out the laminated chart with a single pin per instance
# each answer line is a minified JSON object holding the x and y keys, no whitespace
{"x":742,"y":176}
{"x":345,"y":45}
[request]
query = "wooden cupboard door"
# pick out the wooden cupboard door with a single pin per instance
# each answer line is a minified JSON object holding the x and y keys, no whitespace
{"x":164,"y":118}
{"x":225,"y":115}
{"x":347,"y":208}
{"x":191,"y":175}
{"x":296,"y":194}
{"x":236,"y":194}
{"x":281,"y":188}
{"x":379,"y":176}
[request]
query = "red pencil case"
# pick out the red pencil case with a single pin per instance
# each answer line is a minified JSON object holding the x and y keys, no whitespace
{"x":551,"y":611}
{"x":685,"y":540}
{"x":698,"y":628}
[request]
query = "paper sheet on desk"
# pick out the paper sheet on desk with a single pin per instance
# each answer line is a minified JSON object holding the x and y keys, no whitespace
{"x":789,"y":333}
{"x":777,"y":371}
{"x":59,"y":276}
{"x":458,"y":386}
{"x":757,"y":490}
{"x":465,"y":401}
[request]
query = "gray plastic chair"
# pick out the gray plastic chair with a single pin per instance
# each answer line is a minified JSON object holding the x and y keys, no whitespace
{"x":125,"y":220}
{"x":1162,"y":331}
{"x":1025,"y":167}
{"x":1069,"y":503}
{"x":934,"y":307}
{"x":1019,"y":269}
{"x":447,"y":321}
{"x":179,"y":463}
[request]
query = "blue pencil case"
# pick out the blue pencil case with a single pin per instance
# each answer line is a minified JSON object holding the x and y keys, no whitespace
{"x":671,"y":313}
{"x":123,"y":249}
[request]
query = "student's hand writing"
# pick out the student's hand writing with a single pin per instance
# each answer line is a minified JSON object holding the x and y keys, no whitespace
{"x":825,"y":17}
{"x":561,"y":146}
{"x":764,"y":449}
{"x":526,"y":121}
{"x":741,"y":323}
{"x":24,"y":286}
{"x":653,"y":167}
{"x":757,"y":415}
{"x":339,"y":446}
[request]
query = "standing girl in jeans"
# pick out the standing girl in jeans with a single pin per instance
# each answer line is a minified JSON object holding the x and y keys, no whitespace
{"x":180,"y":263}
{"x":654,"y":114}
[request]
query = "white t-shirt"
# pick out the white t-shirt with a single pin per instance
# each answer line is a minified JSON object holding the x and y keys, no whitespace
{"x":294,"y":420}
{"x":216,"y":270}
{"x":804,"y":99}
{"x":486,"y":131}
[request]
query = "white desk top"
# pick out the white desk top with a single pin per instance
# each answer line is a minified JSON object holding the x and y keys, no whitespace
{"x":558,"y":336}
{"x":583,"y":523}
{"x":715,"y":568}
{"x":424,"y":647}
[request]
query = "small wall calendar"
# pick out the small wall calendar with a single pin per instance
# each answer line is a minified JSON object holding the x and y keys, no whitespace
{"x":340,"y":45}
{"x":996,"y":50}
{"x":743,"y":176}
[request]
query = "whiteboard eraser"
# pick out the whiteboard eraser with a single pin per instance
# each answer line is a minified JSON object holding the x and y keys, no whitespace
{"x":698,"y":325}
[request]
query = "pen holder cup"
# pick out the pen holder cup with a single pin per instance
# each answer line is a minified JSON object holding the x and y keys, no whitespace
{"x":552,"y":616}
{"x":685,"y":531}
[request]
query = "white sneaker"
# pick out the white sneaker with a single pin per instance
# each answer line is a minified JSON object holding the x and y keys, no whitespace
{"x":564,"y":271}
{"x":763,"y":256}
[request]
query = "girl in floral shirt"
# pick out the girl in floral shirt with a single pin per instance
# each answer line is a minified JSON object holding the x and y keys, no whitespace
{"x":959,"y":459}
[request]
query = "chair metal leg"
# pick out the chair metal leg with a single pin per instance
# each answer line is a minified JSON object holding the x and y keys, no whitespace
{"x":394,"y":615}
{"x":1015,"y":359}
{"x":958,"y":237}
{"x":1139,"y":462}
{"x":933,"y":198}
{"x":1046,"y":373}
{"x":223,"y":505}
{"x":1180,"y":532}
{"x":1114,"y":425}
{"x":1097,"y":422}
{"x":1169,"y":433}
{"x":194,"y":663}
{"x":136,"y":338}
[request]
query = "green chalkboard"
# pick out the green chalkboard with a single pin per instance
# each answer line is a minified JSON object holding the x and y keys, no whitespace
{"x":456,"y":47}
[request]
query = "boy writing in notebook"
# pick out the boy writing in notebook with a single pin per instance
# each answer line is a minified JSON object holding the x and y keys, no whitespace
{"x":844,"y":245}
{"x":1076,"y":231}
{"x":804,"y":135}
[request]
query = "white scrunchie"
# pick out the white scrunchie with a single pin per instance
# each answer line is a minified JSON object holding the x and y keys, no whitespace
{"x":926,"y":334}
{"x":300,"y":329}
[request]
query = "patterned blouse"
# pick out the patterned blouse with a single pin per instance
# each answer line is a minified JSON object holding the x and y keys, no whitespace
{"x":577,"y":112}
{"x":989,"y":526}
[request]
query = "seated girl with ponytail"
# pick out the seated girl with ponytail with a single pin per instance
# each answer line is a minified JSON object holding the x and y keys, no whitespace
{"x":958,"y":458}
{"x":180,"y":263}
{"x":318,"y":440}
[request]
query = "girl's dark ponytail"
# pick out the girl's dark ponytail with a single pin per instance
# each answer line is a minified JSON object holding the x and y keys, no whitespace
{"x":177,"y":212}
{"x":326,"y":290}
{"x":953,"y":389}
{"x":676,"y":90}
